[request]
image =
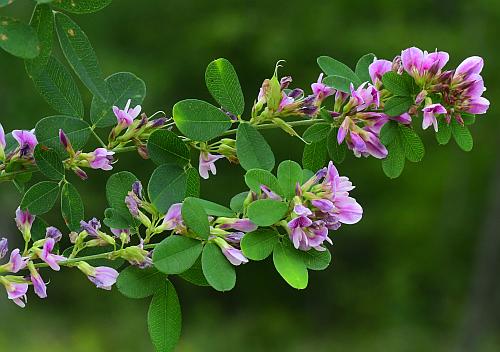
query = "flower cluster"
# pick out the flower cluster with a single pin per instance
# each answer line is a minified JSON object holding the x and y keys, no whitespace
{"x":321,"y":204}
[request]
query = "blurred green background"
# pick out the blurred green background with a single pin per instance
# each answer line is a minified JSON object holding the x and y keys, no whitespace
{"x":419,"y":273}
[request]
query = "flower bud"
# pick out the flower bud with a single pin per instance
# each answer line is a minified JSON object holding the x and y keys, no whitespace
{"x":4,"y":247}
{"x":24,"y":221}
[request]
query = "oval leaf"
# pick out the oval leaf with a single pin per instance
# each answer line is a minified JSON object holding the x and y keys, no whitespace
{"x":317,"y":132}
{"x":166,"y":147}
{"x":200,"y":120}
{"x":289,"y":264}
{"x":219,"y":273}
{"x":259,"y":244}
{"x":267,"y":212}
{"x":49,"y":162}
{"x":362,"y":67}
{"x":134,"y":282}
{"x":315,"y":155}
{"x":81,"y":6}
{"x":332,"y":67}
{"x":42,"y":22}
{"x":252,"y":149}
{"x":72,"y":207}
{"x":255,"y":178}
{"x":167,"y":186}
{"x":18,"y":39}
{"x":176,"y":254}
{"x":195,"y":217}
{"x":222,"y":82}
{"x":47,"y":132}
{"x":289,"y":173}
{"x":40,"y":198}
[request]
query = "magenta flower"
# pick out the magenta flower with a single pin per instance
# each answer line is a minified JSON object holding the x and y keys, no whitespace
{"x":51,"y":259}
{"x":378,"y":68}
{"x":3,"y":143}
{"x":362,"y":141}
{"x":27,"y":141}
{"x":244,"y":225}
{"x":477,"y":105}
{"x":417,"y":62}
{"x":133,"y":203}
{"x":92,"y":227}
{"x":24,"y":221}
{"x":173,"y":219}
{"x":268,"y":194}
{"x":430,"y":113}
{"x":207,"y":163}
{"x":16,"y":292}
{"x":320,"y":90}
{"x":470,"y":66}
{"x":126,"y":116}
{"x":364,"y":96}
{"x":16,"y":262}
{"x":101,"y":158}
{"x":39,"y":286}
{"x":53,"y":232}
{"x":103,"y":277}
{"x":4,"y":247}
{"x":234,"y":255}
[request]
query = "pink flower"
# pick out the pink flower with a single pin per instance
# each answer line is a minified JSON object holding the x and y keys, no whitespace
{"x":51,"y":259}
{"x":16,"y":262}
{"x":27,"y":141}
{"x":24,"y":221}
{"x":430,"y":113}
{"x":321,"y":90}
{"x":16,"y":292}
{"x":173,"y":219}
{"x":234,"y":255}
{"x":378,"y":68}
{"x":126,"y":116}
{"x":101,"y":158}
{"x":4,"y":247}
{"x":244,"y":225}
{"x":471,"y":66}
{"x":3,"y":143}
{"x":103,"y":277}
{"x":477,"y":105}
{"x":417,"y":62}
{"x":207,"y":163}
{"x":39,"y":285}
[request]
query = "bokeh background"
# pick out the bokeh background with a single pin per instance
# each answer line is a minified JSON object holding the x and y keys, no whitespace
{"x":419,"y":273}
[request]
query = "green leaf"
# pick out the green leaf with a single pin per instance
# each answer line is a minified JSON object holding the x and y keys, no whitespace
{"x":469,"y":119}
{"x":80,"y":55}
{"x":213,"y":209}
{"x":335,"y":151}
{"x":166,"y":147}
{"x":81,"y":6}
{"x":237,"y":202}
{"x":40,"y":198}
{"x":117,"y":188}
{"x":115,"y":219}
{"x":192,"y":182}
{"x":412,"y":144}
{"x":39,"y":229}
{"x":4,"y":3}
{"x":72,"y":207}
{"x":219,"y":273}
{"x":394,"y":163}
{"x":267,"y":212}
{"x":56,"y":85}
{"x":274,"y":95}
{"x":18,"y":39}
{"x":254,"y":178}
{"x":47,"y":132}
{"x":195,"y":274}
{"x":259,"y":244}
{"x":362,"y":67}
{"x":332,"y":67}
{"x":176,"y":254}
{"x":396,"y":84}
{"x":122,"y":86}
{"x":316,"y":260}
{"x":222,"y":82}
{"x":252,"y":149}
{"x":42,"y":21}
{"x":290,"y":265}
{"x":49,"y":162}
{"x":340,"y":83}
{"x":164,"y":318}
{"x":462,"y":136}
{"x":289,"y":173}
{"x":389,"y":132}
{"x":167,"y":185}
{"x":134,"y":282}
{"x":195,"y":218}
{"x":443,"y":135}
{"x":317,"y":132}
{"x":397,"y":105}
{"x":199,"y":120}
{"x":315,"y":155}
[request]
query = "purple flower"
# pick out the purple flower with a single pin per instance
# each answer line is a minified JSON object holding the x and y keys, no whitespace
{"x":378,"y":68}
{"x":39,"y":285}
{"x":477,"y":105}
{"x":133,"y":203}
{"x":235,"y":237}
{"x":126,"y":116}
{"x":27,"y":141}
{"x":16,"y":292}
{"x":234,"y":255}
{"x":92,"y":227}
{"x":16,"y":262}
{"x":51,"y":259}
{"x":417,"y":62}
{"x":53,"y":232}
{"x":65,"y":141}
{"x":430,"y":113}
{"x":471,"y":66}
{"x":101,"y":158}
{"x":321,"y":90}
{"x":173,"y":218}
{"x":267,"y":193}
{"x":244,"y":225}
{"x":137,"y":189}
{"x":4,"y":247}
{"x":364,"y":96}
{"x":3,"y":143}
{"x":24,"y":221}
{"x":362,"y":141}
{"x":103,"y":277}
{"x":207,"y":163}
